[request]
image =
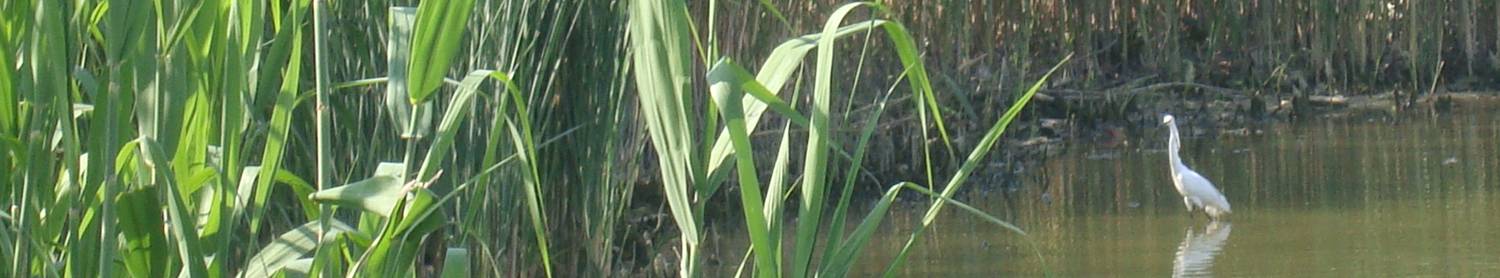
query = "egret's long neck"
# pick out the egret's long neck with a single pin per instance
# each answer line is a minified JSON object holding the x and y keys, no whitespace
{"x":1173,"y":144}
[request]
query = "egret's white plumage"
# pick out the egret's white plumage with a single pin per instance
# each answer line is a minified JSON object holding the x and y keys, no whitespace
{"x":1197,"y":192}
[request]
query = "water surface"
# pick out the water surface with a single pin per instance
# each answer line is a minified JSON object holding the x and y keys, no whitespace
{"x":1417,"y":196}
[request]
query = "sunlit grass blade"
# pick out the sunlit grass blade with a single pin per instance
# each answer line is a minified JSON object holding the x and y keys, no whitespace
{"x":814,"y":175}
{"x":843,"y":257}
{"x":779,"y":67}
{"x":725,"y":79}
{"x":522,"y":139}
{"x":280,"y":125}
{"x":232,"y":120}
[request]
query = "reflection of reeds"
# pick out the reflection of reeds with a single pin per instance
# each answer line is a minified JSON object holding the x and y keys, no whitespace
{"x":1195,"y":256}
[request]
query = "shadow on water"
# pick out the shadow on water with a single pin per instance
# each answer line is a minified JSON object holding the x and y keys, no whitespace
{"x":1413,"y":196}
{"x":1195,"y":256}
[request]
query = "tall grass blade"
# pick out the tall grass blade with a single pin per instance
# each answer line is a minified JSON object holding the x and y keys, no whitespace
{"x":522,"y":139}
{"x":779,"y":67}
{"x":280,"y":125}
{"x":725,"y":79}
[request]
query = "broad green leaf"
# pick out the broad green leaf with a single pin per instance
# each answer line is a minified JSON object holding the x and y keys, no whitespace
{"x":439,"y":33}
{"x":377,"y":194}
{"x":456,"y":263}
{"x":145,"y":249}
{"x":844,"y":257}
{"x":298,"y":268}
{"x":725,"y":83}
{"x":294,"y":245}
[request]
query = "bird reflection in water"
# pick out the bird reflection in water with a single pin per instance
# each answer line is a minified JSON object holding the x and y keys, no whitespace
{"x":1195,"y":256}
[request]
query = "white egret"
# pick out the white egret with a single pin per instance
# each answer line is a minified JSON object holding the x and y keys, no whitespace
{"x":1197,"y":192}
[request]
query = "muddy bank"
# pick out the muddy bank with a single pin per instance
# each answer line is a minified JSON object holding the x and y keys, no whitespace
{"x":1122,"y":118}
{"x":1069,"y":115}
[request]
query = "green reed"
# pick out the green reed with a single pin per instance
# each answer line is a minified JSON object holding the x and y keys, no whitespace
{"x":163,"y":138}
{"x":664,"y":56}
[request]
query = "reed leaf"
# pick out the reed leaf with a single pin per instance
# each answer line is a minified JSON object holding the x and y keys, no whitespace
{"x":378,"y":194}
{"x":662,"y":59}
{"x":725,"y":79}
{"x":280,"y":125}
{"x":398,"y":53}
{"x":439,"y":29}
{"x":291,"y":246}
{"x":456,"y":263}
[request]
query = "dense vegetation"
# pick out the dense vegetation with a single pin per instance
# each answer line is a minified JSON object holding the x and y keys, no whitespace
{"x":1271,"y":46}
{"x":493,"y":138}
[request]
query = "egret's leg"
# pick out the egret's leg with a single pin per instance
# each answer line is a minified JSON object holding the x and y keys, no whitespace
{"x":1188,"y":202}
{"x":1189,"y":206}
{"x":1215,"y":214}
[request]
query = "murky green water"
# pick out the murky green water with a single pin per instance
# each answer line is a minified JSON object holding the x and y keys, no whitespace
{"x":1413,"y":197}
